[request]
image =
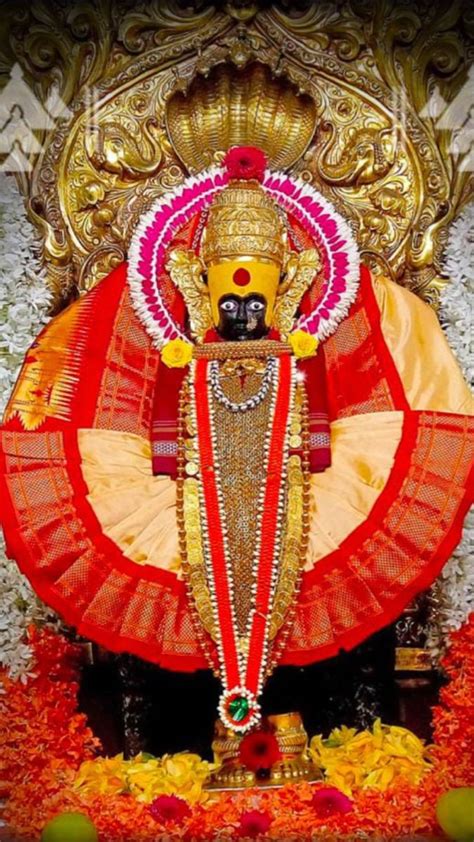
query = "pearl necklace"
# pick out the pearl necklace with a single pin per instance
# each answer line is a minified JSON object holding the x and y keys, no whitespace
{"x":252,"y":402}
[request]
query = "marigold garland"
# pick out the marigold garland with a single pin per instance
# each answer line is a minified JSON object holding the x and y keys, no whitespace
{"x":49,"y":766}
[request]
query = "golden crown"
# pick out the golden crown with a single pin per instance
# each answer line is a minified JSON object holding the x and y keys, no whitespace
{"x":243,"y":222}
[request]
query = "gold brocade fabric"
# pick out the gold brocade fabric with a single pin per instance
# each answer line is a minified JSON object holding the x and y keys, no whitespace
{"x":240,"y":442}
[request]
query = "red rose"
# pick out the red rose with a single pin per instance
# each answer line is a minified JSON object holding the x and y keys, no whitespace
{"x":245,"y":162}
{"x":169,"y":808}
{"x":329,"y":801}
{"x":259,"y":750}
{"x":253,"y":824}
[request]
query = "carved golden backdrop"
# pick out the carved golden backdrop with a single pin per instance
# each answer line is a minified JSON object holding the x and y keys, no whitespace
{"x":339,"y":96}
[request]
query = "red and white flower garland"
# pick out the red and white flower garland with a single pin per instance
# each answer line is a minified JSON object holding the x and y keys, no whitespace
{"x":158,"y":227}
{"x":242,"y":673}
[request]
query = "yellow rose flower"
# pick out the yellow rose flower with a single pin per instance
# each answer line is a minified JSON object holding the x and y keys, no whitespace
{"x":177,"y":353}
{"x":303,"y":344}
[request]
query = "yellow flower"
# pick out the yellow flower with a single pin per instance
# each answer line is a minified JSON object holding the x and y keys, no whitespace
{"x":370,"y":759}
{"x":177,"y":353}
{"x":303,"y":344}
{"x":145,"y":777}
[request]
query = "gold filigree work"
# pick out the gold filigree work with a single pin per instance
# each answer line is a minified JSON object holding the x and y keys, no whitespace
{"x":186,"y":271}
{"x":250,"y":108}
{"x":243,"y":220}
{"x":353,"y":89}
{"x":300,"y":270}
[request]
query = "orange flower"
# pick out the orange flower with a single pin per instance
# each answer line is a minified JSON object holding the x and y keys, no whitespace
{"x":46,"y":741}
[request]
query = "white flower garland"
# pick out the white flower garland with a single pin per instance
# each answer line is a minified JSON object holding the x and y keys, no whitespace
{"x":453,"y":593}
{"x":24,"y":302}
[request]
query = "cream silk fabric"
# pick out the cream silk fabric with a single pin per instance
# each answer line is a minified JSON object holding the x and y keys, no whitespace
{"x":428,"y":370}
{"x":138,"y":511}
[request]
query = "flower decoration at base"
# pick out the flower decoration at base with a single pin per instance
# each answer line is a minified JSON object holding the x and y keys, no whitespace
{"x":371,"y":759}
{"x":329,"y":801}
{"x":259,"y":751}
{"x":47,"y":779}
{"x":254,"y":823}
{"x":169,"y":808}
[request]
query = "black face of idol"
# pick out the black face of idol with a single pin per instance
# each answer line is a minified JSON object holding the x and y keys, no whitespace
{"x":242,"y":318}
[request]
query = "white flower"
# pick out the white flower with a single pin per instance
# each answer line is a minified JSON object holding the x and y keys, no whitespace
{"x":24,"y":302}
{"x":453,"y":593}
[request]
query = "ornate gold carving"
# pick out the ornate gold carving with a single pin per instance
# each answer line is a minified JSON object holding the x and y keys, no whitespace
{"x":412,"y":659}
{"x":300,"y":270}
{"x":360,"y":78}
{"x":243,"y":220}
{"x":248,"y":108}
{"x":186,"y":271}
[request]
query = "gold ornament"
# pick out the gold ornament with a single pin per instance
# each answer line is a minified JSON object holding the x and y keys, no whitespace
{"x":250,"y":108}
{"x":300,"y":271}
{"x":243,"y":220}
{"x":295,"y":764}
{"x":186,"y":271}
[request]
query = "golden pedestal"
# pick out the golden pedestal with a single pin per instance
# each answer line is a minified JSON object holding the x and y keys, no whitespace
{"x":295,"y":764}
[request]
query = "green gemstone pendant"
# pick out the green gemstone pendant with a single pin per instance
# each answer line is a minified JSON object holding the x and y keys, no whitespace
{"x":239,"y":708}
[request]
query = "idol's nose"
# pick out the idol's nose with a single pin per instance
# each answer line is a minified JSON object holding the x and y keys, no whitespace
{"x":242,"y":315}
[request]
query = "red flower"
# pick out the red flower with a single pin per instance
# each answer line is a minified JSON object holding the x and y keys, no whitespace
{"x":245,"y":162}
{"x":169,"y":808}
{"x":259,"y":750}
{"x":329,"y":801}
{"x":253,"y":824}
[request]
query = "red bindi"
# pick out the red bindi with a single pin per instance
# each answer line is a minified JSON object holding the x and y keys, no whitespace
{"x":241,"y":277}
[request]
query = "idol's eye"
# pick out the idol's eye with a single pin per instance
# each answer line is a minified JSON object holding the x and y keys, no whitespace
{"x":256,"y":306}
{"x":229,"y":306}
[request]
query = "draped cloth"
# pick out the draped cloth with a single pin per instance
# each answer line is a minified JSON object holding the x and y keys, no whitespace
{"x":95,"y":530}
